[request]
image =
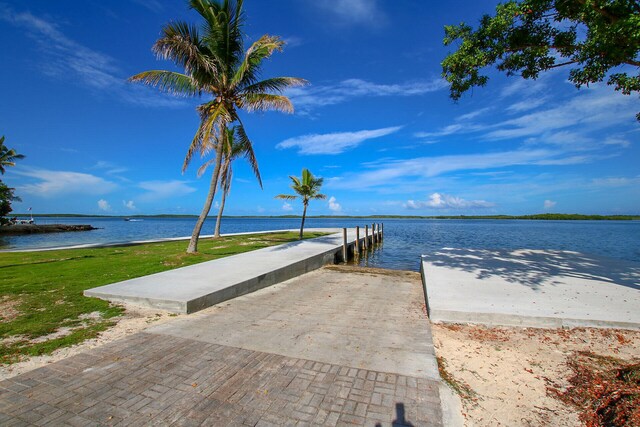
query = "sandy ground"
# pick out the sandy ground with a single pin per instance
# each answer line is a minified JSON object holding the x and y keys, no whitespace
{"x":134,"y":320}
{"x":508,"y":369}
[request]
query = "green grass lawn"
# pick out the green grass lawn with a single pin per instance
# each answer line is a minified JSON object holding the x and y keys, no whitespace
{"x":41,"y":292}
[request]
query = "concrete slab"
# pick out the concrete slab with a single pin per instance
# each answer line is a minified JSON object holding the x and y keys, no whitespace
{"x":364,"y":320}
{"x":192,"y":288}
{"x":539,"y":288}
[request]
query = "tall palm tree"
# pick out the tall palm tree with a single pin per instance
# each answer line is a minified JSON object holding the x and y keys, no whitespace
{"x":8,"y":156}
{"x":307,"y":188}
{"x":237,"y":145}
{"x":216,"y":64}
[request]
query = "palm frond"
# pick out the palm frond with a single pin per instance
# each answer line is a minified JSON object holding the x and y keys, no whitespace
{"x":275,"y":84}
{"x":7,"y":156}
{"x":249,"y":154}
{"x":257,"y":52}
{"x":296,"y":181}
{"x":203,"y":168}
{"x":168,"y":81}
{"x":214,"y":119}
{"x":266,"y":102}
{"x":226,"y":175}
{"x":222,"y":33}
{"x":286,"y":196}
{"x":181,"y":43}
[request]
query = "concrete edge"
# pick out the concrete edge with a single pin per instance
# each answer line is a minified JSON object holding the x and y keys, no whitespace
{"x":179,"y":307}
{"x":498,"y":319}
{"x":451,"y":405}
{"x":270,"y":278}
{"x":423,"y":276}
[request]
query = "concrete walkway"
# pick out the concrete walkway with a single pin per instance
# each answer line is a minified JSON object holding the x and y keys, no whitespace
{"x":192,"y":288}
{"x":541,"y":288}
{"x":332,"y":347}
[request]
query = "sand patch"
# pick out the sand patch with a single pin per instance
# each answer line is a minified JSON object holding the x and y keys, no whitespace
{"x":509,"y":370}
{"x":9,"y":308}
{"x":134,"y":320}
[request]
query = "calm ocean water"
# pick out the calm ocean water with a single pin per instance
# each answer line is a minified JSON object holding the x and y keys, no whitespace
{"x":405,"y":239}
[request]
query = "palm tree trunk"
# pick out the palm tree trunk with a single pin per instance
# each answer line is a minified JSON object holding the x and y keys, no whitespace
{"x":193,"y":243}
{"x":304,"y":214}
{"x":216,"y":234}
{"x":225,"y":190}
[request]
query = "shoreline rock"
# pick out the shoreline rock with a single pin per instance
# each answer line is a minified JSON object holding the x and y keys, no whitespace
{"x":43,"y":228}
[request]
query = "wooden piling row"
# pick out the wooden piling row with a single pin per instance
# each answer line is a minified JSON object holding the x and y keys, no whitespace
{"x":368,"y":242}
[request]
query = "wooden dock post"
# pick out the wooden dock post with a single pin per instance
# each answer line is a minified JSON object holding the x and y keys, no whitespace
{"x":374,"y":240}
{"x":357,"y":246}
{"x":366,"y":237}
{"x":345,"y":247}
{"x":381,"y":230}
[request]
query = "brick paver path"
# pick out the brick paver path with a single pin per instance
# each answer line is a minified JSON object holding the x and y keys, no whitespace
{"x":148,"y":379}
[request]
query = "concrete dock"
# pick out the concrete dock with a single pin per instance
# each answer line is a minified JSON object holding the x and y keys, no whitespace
{"x":193,"y":288}
{"x":540,"y":288}
{"x":337,"y":346}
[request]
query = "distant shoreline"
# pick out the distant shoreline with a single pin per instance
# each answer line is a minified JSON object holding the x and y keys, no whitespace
{"x":22,"y":229}
{"x":548,"y":217}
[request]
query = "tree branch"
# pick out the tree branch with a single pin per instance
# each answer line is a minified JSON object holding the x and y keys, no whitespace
{"x":612,"y":18}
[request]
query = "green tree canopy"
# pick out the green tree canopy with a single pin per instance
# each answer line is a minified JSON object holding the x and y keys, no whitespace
{"x":307,"y":188}
{"x":6,"y":197}
{"x":598,"y":39}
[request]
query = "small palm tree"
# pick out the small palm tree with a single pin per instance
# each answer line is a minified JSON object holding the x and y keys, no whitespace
{"x":308,"y":188}
{"x":237,"y":144}
{"x":216,"y":64}
{"x":8,"y":156}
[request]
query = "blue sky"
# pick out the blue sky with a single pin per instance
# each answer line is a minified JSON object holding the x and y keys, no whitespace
{"x":376,"y":120}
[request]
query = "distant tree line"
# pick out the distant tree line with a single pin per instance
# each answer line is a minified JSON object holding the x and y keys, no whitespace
{"x":7,"y":158}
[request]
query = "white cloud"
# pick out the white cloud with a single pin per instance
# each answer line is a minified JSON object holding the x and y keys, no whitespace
{"x":447,"y":130}
{"x":334,"y":206}
{"x":108,"y":167}
{"x":616,"y":182}
{"x":593,"y":108}
{"x":67,"y":59}
{"x":548,"y":204}
{"x":526,"y":105}
{"x":366,"y":12}
{"x":292,"y":41}
{"x":54,"y":183}
{"x":103,"y":205}
{"x":287,"y":207}
{"x":334,"y":143}
{"x":158,"y":190}
{"x":617,"y":141}
{"x":387,"y":172}
{"x":129,"y":205}
{"x":446,"y":201}
{"x":526,"y":87}
{"x":307,"y":97}
{"x":473,"y":114}
{"x":152,"y":5}
{"x":571,"y":123}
